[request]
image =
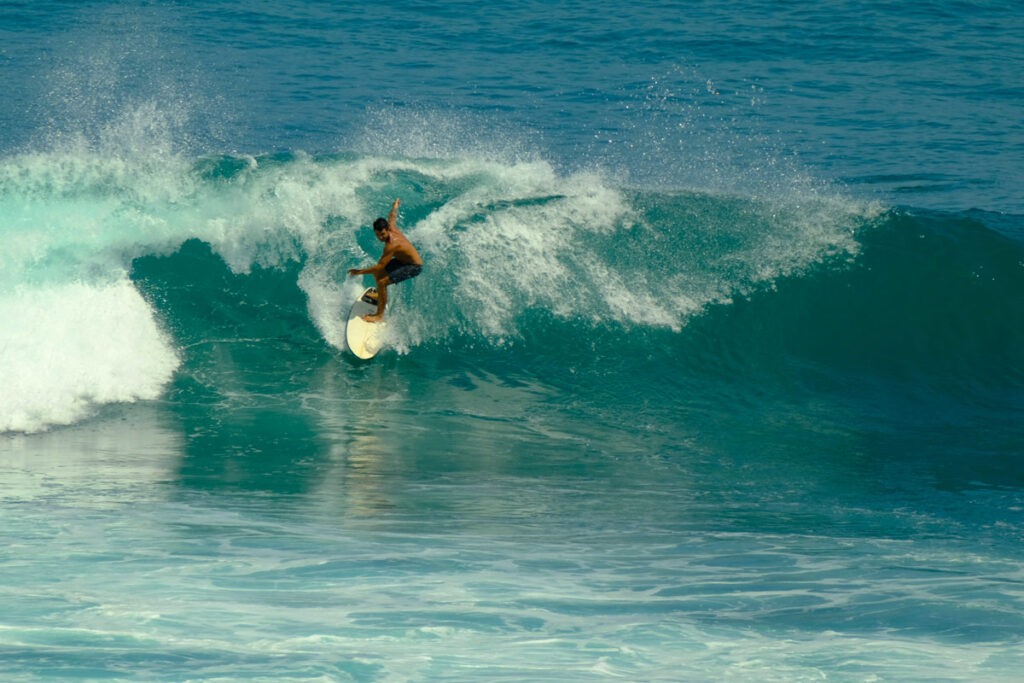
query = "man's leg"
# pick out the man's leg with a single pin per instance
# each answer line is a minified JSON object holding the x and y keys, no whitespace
{"x":382,"y":299}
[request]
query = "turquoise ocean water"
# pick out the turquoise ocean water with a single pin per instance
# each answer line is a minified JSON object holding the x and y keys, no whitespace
{"x":715,"y":370}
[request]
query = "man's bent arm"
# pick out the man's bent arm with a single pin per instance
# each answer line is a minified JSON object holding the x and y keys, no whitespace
{"x":377,"y":270}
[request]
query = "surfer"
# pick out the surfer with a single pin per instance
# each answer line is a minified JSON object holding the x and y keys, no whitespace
{"x":400,"y":260}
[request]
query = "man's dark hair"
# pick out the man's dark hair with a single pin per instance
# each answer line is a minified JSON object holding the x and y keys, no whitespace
{"x":380,"y":224}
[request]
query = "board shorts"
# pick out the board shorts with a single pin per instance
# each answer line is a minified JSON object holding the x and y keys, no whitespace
{"x":398,"y":270}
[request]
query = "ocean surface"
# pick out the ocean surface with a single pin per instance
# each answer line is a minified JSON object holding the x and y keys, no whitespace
{"x":715,"y":370}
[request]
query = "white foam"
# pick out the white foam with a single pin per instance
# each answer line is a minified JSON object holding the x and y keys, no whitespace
{"x":519,"y":236}
{"x":65,"y":349}
{"x":329,"y":302}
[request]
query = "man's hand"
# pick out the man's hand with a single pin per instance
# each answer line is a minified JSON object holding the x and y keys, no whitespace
{"x":353,"y":271}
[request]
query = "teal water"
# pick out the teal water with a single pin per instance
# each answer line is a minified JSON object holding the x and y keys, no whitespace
{"x":714,"y":371}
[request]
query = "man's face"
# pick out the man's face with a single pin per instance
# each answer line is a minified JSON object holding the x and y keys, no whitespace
{"x":382,"y":235}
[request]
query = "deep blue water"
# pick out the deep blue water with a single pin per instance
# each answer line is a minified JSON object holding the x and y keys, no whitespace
{"x":715,"y":370}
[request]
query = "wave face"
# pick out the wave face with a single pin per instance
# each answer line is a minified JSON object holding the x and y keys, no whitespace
{"x":114,"y":270}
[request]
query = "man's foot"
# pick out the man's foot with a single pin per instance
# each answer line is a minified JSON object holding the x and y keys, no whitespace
{"x":372,"y":318}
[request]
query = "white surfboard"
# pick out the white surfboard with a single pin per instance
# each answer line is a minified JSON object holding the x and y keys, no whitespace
{"x":364,"y":339}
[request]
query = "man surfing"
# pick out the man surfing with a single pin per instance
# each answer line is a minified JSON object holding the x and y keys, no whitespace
{"x":400,"y":260}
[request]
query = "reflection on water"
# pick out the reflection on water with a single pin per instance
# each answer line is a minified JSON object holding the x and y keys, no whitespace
{"x":323,"y":517}
{"x":125,"y":456}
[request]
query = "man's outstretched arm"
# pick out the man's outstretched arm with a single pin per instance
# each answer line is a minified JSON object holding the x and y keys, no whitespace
{"x":393,"y":216}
